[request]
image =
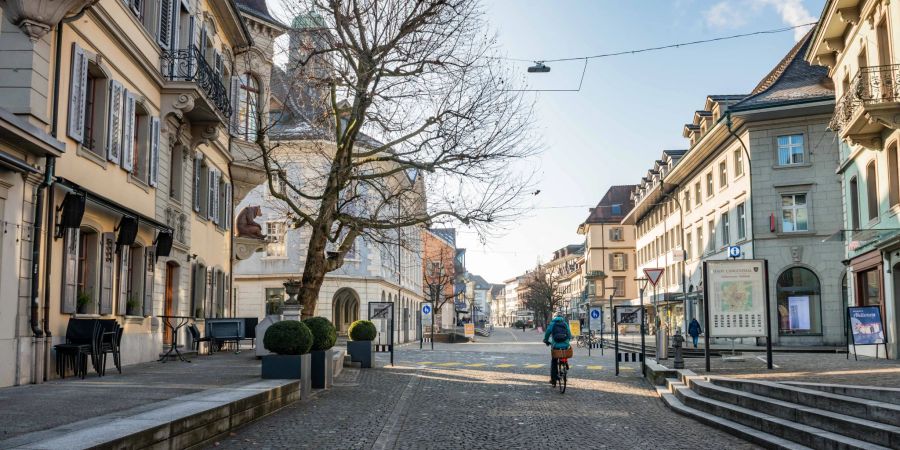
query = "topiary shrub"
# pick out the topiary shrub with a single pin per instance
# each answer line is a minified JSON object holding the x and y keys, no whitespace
{"x":323,"y":332}
{"x":519,"y":324}
{"x":288,"y":337}
{"x":362,"y":330}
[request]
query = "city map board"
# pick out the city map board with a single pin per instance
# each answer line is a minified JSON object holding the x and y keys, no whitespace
{"x":737,"y":295}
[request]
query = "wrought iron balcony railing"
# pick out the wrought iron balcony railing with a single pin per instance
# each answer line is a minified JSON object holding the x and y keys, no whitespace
{"x":871,"y":86}
{"x":190,"y":65}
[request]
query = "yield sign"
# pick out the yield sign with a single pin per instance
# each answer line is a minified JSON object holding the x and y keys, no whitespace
{"x":654,"y":275}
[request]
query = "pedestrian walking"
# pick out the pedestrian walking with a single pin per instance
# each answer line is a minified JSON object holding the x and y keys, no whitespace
{"x":694,"y":330}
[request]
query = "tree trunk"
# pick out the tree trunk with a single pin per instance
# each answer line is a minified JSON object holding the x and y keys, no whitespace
{"x":314,"y":271}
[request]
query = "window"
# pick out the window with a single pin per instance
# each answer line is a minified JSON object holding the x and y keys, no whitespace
{"x":723,"y":174}
{"x":699,"y":240}
{"x":738,"y":163}
{"x":618,"y":261}
{"x":726,"y":229}
{"x":799,"y":303}
{"x":276,"y":246}
{"x":619,"y":284}
{"x":854,"y":203}
{"x":687,"y":201}
{"x":698,"y":194}
{"x":689,"y":243}
{"x":893,"y":182}
{"x":615,"y":234}
{"x":275,"y":300}
{"x":137,"y":130}
{"x":872,"y":190}
{"x":616,"y":209}
{"x":198,"y":290}
{"x":137,"y":7}
{"x":790,"y":150}
{"x":711,"y":239}
{"x":88,"y":272}
{"x":131,"y":280}
{"x":96,"y":95}
{"x":793,"y":213}
{"x":741,"y":221}
{"x":870,"y":287}
{"x":248,"y":107}
{"x":709,"y":184}
{"x":176,"y":173}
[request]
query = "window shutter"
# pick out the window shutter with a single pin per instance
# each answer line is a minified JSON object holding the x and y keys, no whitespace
{"x":202,"y":45}
{"x":611,"y":267}
{"x":212,"y":199}
{"x":70,"y":272}
{"x":228,"y":206}
{"x":164,"y":33}
{"x":114,"y":122}
{"x":77,"y":93}
{"x":625,"y":261}
{"x":106,"y":272}
{"x":124,"y":256}
{"x":149,"y":272}
{"x":611,"y":234}
{"x":198,"y":159}
{"x":153,"y":175}
{"x":235,"y":104}
{"x":210,"y":281}
{"x":128,"y":133}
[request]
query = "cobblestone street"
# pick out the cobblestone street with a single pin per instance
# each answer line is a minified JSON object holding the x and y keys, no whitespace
{"x":490,"y":394}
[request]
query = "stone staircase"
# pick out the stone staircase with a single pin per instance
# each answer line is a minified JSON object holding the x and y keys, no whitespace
{"x":789,"y":415}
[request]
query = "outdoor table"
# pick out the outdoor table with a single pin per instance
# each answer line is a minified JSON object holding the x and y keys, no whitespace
{"x":174,"y":323}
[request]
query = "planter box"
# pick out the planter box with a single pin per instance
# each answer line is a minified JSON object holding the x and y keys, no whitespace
{"x":322,"y":369}
{"x":361,"y":352}
{"x":289,"y":367}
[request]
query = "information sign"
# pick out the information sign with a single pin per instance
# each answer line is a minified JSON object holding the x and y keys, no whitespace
{"x":737,"y":298}
{"x":469,"y":330}
{"x":575,"y":327}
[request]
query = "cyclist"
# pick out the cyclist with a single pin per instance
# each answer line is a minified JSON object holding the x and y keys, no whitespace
{"x":557,"y":337}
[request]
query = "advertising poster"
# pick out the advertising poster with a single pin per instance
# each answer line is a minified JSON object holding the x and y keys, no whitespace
{"x":469,"y":330}
{"x":866,"y":325}
{"x":737,"y":298}
{"x":628,"y":315}
{"x":798,"y":313}
{"x":575,"y":326}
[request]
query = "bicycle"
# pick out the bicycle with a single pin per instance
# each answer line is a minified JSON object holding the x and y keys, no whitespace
{"x":562,"y":367}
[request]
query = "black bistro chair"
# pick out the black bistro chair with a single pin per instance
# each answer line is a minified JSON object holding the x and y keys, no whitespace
{"x":250,"y":324}
{"x":110,"y":341}
{"x":81,"y":342}
{"x":197,"y":339}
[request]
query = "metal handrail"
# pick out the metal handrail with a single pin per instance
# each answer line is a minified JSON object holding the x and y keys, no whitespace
{"x":190,"y":65}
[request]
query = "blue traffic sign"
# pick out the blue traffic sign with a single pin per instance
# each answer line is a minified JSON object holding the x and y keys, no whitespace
{"x":426,"y":309}
{"x":595,"y":314}
{"x":734,"y":251}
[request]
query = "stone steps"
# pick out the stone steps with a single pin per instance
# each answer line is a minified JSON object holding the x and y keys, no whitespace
{"x":776,"y":415}
{"x":881,"y":394}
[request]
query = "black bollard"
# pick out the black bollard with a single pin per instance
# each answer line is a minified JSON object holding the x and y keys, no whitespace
{"x":678,"y":341}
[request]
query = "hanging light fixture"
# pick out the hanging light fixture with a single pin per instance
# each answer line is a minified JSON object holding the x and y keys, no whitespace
{"x":539,"y":67}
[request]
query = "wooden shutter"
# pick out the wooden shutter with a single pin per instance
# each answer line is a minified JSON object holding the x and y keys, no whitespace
{"x":153,"y":175}
{"x":107,"y":264}
{"x":198,"y":161}
{"x":211,"y":199}
{"x":77,"y":93}
{"x":235,"y":104}
{"x":611,"y":266}
{"x":228,"y":207}
{"x":128,"y":132}
{"x":70,"y":271}
{"x":149,"y":272}
{"x":114,"y":121}
{"x":210,"y":280}
{"x":164,"y":32}
{"x":124,"y":256}
{"x":625,"y":261}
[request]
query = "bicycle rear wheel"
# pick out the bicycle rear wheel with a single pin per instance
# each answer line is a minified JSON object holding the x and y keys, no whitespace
{"x":561,"y":381}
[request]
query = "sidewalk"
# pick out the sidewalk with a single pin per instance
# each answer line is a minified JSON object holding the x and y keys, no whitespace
{"x":146,"y":400}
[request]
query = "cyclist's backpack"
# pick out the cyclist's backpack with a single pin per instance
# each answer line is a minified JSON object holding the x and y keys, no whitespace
{"x":560,"y":332}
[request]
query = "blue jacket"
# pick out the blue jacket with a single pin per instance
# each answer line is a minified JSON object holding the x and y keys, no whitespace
{"x":548,"y":334}
{"x":694,"y":328}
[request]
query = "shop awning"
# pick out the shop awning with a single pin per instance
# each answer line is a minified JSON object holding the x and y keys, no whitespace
{"x":117,"y":208}
{"x":859,"y":239}
{"x":11,"y":162}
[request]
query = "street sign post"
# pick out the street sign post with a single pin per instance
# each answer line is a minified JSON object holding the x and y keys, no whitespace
{"x":382,"y":315}
{"x":426,"y":315}
{"x":653,"y":276}
{"x":595,"y":323}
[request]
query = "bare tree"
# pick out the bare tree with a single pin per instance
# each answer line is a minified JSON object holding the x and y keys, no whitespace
{"x":541,"y":293}
{"x":415,"y":126}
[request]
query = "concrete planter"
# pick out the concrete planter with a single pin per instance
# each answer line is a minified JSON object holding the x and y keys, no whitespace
{"x":322,"y":369}
{"x":289,"y":367}
{"x":361,"y":352}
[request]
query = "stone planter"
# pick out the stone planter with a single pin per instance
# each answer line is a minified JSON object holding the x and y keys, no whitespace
{"x":322,"y":369}
{"x":361,"y":352}
{"x":289,"y":367}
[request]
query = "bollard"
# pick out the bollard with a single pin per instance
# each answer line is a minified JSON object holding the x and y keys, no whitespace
{"x":678,"y":340}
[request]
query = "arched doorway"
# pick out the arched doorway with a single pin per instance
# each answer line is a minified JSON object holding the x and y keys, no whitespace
{"x":344,"y":309}
{"x":169,"y":301}
{"x":799,"y":303}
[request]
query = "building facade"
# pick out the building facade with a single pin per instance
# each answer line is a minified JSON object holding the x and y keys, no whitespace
{"x":609,"y":252}
{"x":439,"y":274}
{"x":856,"y":40}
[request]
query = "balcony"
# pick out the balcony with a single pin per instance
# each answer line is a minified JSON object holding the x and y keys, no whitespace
{"x":194,"y":89}
{"x":870,"y":104}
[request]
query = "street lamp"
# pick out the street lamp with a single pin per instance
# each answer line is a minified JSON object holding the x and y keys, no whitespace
{"x":612,"y":319}
{"x":642,"y":284}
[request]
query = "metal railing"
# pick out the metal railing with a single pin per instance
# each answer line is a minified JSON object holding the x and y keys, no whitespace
{"x":190,"y":65}
{"x":871,"y":86}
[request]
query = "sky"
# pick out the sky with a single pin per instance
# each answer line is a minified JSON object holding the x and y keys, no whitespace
{"x":629,"y":109}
